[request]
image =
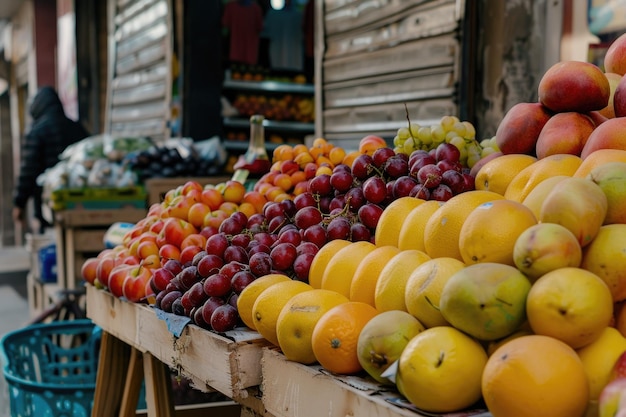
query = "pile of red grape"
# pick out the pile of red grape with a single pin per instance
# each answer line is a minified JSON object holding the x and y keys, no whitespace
{"x":285,"y":237}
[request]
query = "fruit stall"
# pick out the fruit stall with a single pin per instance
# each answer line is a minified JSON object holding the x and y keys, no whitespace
{"x":445,"y":275}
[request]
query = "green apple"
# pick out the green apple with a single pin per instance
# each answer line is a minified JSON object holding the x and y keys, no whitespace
{"x":383,"y":339}
{"x":486,"y":300}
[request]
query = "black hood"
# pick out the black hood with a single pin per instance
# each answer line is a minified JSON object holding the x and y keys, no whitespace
{"x":46,"y":101}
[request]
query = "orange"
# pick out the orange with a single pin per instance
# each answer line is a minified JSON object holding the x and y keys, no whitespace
{"x":535,"y":375}
{"x":490,"y":231}
{"x":321,"y":259}
{"x":392,"y":280}
{"x":496,"y":174}
{"x":412,"y":232}
{"x":269,"y":304}
{"x":529,"y":177}
{"x":335,"y":336}
{"x":392,"y":219}
{"x":297,"y":319}
{"x":248,"y":296}
{"x":441,"y":234}
{"x":597,"y":158}
{"x":342,"y":266}
{"x":363,"y":286}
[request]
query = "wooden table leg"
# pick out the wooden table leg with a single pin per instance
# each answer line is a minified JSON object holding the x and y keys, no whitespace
{"x":134,"y":378}
{"x":158,"y":387}
{"x":112,"y":369}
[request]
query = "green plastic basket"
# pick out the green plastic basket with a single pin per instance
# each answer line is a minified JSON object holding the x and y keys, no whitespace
{"x":51,"y":368}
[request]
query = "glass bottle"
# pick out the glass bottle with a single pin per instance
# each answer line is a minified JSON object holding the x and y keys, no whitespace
{"x":255,"y":161}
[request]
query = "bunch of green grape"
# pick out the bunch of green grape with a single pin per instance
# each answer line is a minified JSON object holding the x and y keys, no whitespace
{"x":451,"y":130}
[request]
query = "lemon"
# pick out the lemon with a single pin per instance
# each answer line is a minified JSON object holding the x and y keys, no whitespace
{"x":441,"y":235}
{"x":269,"y":304}
{"x":490,"y":231}
{"x":496,"y":174}
{"x":412,"y":232}
{"x":298,"y":318}
{"x":248,"y":296}
{"x":363,"y":286}
{"x":424,"y":287}
{"x":391,"y":283}
{"x":321,"y":259}
{"x":529,"y":177}
{"x":390,"y":223}
{"x":342,"y":266}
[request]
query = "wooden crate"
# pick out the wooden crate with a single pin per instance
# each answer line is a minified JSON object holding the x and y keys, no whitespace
{"x":229,"y":363}
{"x":156,"y":188}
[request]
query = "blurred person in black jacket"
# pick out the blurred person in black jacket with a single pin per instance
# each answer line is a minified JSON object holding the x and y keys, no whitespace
{"x":51,"y":132}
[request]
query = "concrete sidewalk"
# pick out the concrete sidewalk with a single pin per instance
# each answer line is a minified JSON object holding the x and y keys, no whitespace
{"x":14,"y":311}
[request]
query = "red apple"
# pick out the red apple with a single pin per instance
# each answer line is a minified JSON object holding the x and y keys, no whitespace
{"x":134,"y":284}
{"x":187,"y":254}
{"x":197,"y":213}
{"x":169,"y":251}
{"x":234,"y":192}
{"x":369,"y":144}
{"x":215,"y":218}
{"x":176,"y":230}
{"x":194,"y":239}
{"x":117,"y":277}
{"x":104,"y":268}
{"x":88,"y":270}
{"x":212,"y":197}
{"x":179,"y":207}
{"x":146,"y":248}
{"x":191,"y":186}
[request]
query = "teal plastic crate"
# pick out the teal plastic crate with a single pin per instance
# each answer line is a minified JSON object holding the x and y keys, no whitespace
{"x":51,"y":368}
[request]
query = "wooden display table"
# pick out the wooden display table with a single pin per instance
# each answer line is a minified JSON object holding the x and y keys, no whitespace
{"x":240,"y":364}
